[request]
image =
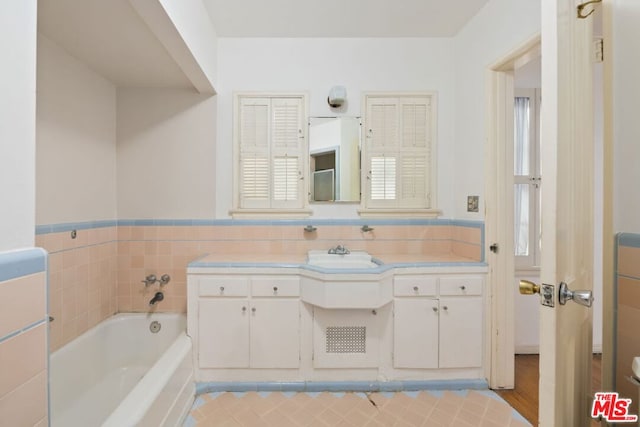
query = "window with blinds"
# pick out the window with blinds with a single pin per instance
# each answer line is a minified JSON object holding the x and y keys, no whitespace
{"x":270,"y":152}
{"x":398,"y":146}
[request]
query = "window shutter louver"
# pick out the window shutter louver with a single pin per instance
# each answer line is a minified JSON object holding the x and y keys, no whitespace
{"x":383,"y":178}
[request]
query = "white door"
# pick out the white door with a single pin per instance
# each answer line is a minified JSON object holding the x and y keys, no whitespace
{"x":275,"y":333}
{"x":460,"y":332}
{"x":223,"y":333}
{"x":567,"y":213}
{"x":415,"y":333}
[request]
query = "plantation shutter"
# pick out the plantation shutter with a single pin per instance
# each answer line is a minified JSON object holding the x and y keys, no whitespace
{"x":398,"y":152}
{"x":414,"y":184}
{"x":287,"y":152}
{"x":271,"y":152}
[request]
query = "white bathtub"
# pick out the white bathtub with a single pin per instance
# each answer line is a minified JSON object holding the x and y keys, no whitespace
{"x":120,"y":374}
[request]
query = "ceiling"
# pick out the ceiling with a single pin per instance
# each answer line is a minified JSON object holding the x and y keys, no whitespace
{"x":111,"y":38}
{"x":341,"y":18}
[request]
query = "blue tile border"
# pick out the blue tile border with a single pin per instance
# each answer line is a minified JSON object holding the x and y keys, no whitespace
{"x":68,"y":226}
{"x":22,"y":263}
{"x":341,"y":386}
{"x":85,"y":225}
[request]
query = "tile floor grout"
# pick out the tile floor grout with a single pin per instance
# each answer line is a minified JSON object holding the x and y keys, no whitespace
{"x":464,"y":408}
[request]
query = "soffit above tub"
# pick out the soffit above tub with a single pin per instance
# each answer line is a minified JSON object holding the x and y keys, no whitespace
{"x":341,"y":18}
{"x":112,"y":39}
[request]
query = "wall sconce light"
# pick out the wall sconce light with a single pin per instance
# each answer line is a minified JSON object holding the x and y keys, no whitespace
{"x":337,"y":96}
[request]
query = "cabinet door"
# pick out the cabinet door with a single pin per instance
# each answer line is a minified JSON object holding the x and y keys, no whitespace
{"x":223,"y":333}
{"x":415,"y":327}
{"x":461,"y":332}
{"x":275,"y":333}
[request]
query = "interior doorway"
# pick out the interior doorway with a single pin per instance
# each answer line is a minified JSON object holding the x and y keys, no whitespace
{"x":515,"y":76}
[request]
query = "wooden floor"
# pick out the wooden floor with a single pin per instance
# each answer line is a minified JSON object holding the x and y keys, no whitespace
{"x":524,"y":397}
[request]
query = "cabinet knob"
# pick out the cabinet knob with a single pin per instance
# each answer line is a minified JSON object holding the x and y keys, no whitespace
{"x":415,"y":289}
{"x":275,"y":289}
{"x":435,"y":309}
{"x":244,"y":309}
{"x":253,"y":309}
{"x":445,"y":308}
{"x":463,"y":287}
{"x":221,"y":289}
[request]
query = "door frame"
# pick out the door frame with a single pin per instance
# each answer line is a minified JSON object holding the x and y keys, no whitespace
{"x":499,"y":216}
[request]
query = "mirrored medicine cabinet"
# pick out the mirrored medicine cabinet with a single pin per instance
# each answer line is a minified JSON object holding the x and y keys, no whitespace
{"x":334,"y":149}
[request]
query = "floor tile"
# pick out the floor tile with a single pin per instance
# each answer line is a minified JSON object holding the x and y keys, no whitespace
{"x":426,"y":408}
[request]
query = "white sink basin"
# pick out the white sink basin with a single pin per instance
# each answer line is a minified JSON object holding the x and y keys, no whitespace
{"x":352,"y":260}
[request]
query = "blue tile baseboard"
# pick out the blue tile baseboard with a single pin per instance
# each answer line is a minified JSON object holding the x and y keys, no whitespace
{"x":341,"y":386}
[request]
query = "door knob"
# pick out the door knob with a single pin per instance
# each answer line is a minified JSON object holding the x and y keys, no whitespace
{"x":582,"y":297}
{"x":528,"y":288}
{"x":546,"y":291}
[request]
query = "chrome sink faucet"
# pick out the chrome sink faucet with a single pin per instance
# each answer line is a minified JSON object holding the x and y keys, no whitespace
{"x":339,"y":250}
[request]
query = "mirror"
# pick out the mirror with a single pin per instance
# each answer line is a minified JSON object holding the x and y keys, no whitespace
{"x":334,"y":149}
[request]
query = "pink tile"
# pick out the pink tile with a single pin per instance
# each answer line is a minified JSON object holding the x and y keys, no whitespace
{"x":26,"y":405}
{"x":472,"y":252}
{"x":22,"y":302}
{"x":467,"y":234}
{"x":137,"y":233}
{"x":164,"y":233}
{"x":22,"y":357}
{"x":150,"y":232}
{"x":124,"y":233}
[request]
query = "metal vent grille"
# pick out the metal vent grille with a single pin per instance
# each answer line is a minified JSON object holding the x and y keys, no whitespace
{"x":346,"y":339}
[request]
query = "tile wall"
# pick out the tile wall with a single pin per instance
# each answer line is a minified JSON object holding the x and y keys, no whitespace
{"x":23,"y":338}
{"x":100,"y":272}
{"x":82,"y":279}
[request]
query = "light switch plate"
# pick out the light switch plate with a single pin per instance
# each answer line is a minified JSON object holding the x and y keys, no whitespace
{"x":472,"y":203}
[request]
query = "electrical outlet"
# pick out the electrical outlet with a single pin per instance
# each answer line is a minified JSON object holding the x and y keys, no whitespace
{"x":472,"y":203}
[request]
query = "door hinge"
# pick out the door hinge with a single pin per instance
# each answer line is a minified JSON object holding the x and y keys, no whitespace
{"x":598,"y":50}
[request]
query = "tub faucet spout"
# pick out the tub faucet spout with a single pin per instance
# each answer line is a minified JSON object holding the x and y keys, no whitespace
{"x":159,"y":296}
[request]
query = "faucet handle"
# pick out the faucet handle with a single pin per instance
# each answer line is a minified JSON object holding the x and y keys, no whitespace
{"x":149,"y":280}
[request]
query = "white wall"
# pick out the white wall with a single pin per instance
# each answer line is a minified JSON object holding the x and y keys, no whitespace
{"x":314,"y":66}
{"x":18,"y":115}
{"x":500,"y":27}
{"x":166,"y":154}
{"x":76,"y":140}
{"x":626,"y":126}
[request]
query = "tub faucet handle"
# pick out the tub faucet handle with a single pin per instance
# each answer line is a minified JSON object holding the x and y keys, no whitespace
{"x":164,"y":279}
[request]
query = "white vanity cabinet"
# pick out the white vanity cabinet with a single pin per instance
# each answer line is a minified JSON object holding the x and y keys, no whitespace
{"x":438,"y":322}
{"x":248,"y":322}
{"x":289,"y":324}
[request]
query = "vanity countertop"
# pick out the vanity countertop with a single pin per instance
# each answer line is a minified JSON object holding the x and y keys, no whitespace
{"x":248,"y":260}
